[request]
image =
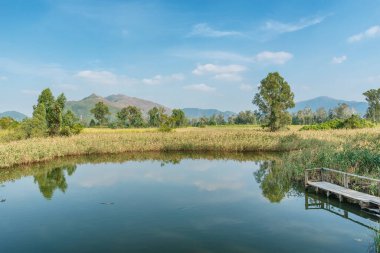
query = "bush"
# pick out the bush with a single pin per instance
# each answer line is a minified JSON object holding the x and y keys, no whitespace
{"x":353,"y":122}
{"x":66,"y":131}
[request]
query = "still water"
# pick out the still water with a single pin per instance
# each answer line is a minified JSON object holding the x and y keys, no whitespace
{"x":172,"y":204}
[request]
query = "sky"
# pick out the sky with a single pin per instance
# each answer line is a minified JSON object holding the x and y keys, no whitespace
{"x":199,"y":53}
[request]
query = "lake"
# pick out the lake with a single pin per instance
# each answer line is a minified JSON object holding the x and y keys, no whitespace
{"x":171,"y":203}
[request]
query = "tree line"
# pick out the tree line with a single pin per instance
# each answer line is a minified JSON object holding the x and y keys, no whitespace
{"x":273,"y":100}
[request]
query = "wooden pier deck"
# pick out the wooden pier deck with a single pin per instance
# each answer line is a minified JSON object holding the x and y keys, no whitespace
{"x":338,"y":183}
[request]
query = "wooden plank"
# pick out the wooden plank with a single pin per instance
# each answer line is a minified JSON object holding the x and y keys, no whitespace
{"x":348,"y":193}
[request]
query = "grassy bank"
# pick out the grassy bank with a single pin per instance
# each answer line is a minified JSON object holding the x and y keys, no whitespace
{"x":346,"y":149}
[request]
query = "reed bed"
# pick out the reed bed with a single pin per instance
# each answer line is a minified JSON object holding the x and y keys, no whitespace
{"x":219,"y":139}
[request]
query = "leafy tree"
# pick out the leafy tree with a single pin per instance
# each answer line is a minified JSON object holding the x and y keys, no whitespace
{"x":373,"y":99}
{"x":155,"y":116}
{"x":245,"y":118}
{"x":37,"y":125}
{"x":130,"y":116}
{"x":101,"y":111}
{"x":343,"y":111}
{"x":320,"y":115}
{"x":273,"y":100}
{"x":220,"y":119}
{"x":179,"y":118}
{"x":92,"y":123}
{"x":8,"y":123}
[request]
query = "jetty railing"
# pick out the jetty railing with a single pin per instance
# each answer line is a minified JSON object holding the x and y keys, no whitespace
{"x":348,"y":180}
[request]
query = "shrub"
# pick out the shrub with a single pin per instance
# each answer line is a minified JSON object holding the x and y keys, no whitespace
{"x":354,"y":122}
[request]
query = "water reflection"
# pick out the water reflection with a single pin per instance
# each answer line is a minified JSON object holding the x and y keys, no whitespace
{"x":173,"y":202}
{"x":50,"y":180}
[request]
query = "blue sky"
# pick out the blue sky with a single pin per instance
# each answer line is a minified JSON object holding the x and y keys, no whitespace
{"x":207,"y":54}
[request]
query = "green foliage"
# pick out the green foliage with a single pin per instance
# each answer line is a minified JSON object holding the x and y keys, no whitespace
{"x":166,"y":124}
{"x":8,"y":123}
{"x":155,"y":116}
{"x":273,"y":100}
{"x":353,"y":122}
{"x":130,"y":116}
{"x":373,"y":99}
{"x":178,"y":117}
{"x":244,"y":118}
{"x":48,"y":118}
{"x":101,"y":111}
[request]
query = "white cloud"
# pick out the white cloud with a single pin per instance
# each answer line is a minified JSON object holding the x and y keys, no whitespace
{"x":246,"y":87}
{"x":371,"y":32}
{"x":204,"y":30}
{"x":277,"y":58}
{"x":158,"y":79}
{"x":230,"y":73}
{"x":199,"y":87}
{"x":339,"y":59}
{"x":218,"y":69}
{"x":101,"y":77}
{"x":268,"y":57}
{"x":279,"y":27}
{"x":3,"y":78}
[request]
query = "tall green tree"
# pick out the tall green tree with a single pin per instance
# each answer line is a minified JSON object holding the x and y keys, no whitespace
{"x":37,"y":125}
{"x":373,"y":110}
{"x":130,"y":116}
{"x":156,"y":116}
{"x":101,"y":111}
{"x":273,"y":99}
{"x":179,"y":118}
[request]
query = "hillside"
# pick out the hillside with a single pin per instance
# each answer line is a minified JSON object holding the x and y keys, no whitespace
{"x":329,"y":103}
{"x":193,"y":113}
{"x":115,"y":103}
{"x":13,"y":114}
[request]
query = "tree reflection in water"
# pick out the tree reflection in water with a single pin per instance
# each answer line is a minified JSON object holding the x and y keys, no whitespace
{"x":50,"y":180}
{"x":276,"y":182}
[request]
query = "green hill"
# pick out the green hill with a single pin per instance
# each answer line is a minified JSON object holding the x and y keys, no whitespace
{"x":13,"y":114}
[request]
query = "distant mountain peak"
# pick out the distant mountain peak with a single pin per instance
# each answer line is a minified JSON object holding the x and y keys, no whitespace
{"x":92,"y":96}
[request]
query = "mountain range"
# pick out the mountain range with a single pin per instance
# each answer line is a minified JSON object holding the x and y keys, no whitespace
{"x":330,"y":103}
{"x":116,"y":102}
{"x":194,"y":113}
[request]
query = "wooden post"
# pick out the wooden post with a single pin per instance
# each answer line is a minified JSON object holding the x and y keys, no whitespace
{"x":345,"y":180}
{"x":327,"y":193}
{"x":306,"y":177}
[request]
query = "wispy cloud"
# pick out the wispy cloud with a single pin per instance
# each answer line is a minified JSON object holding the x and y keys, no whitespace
{"x":218,"y":69}
{"x":339,"y":59}
{"x":371,"y":32}
{"x":279,"y":27}
{"x":267,"y":57}
{"x":3,"y":78}
{"x":221,"y":72}
{"x":158,"y":79}
{"x":277,"y":58}
{"x":199,"y":87}
{"x":204,"y":30}
{"x":100,"y":77}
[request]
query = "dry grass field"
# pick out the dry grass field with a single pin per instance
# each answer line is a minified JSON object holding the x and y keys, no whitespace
{"x":220,"y":139}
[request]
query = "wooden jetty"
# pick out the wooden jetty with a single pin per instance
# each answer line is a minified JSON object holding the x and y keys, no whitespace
{"x":345,"y":186}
